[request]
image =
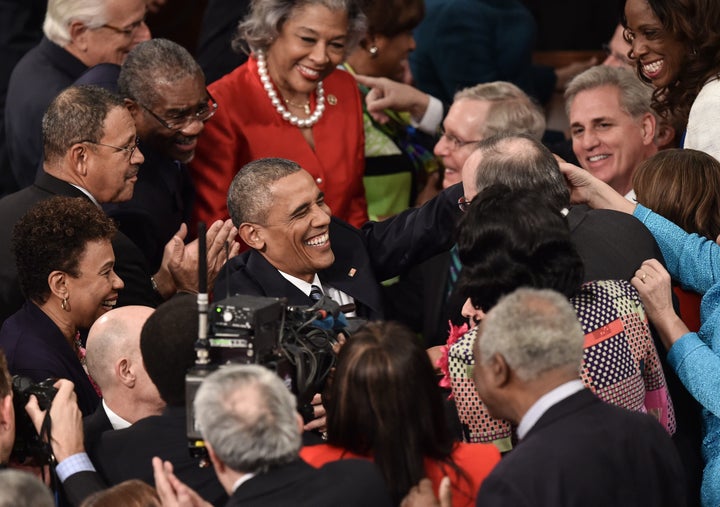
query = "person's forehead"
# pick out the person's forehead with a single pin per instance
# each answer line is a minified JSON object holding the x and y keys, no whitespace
{"x":603,"y":99}
{"x":118,"y":126}
{"x":292,"y":191}
{"x":180,"y":93}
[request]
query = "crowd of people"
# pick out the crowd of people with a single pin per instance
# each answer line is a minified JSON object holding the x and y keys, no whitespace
{"x":528,"y":317}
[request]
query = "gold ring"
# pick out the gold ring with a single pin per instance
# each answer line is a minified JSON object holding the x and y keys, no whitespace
{"x":644,"y":275}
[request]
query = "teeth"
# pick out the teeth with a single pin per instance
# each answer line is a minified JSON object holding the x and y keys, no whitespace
{"x":110,"y":303}
{"x":308,"y":71}
{"x":595,"y":158}
{"x":651,"y":68}
{"x":318,"y":240}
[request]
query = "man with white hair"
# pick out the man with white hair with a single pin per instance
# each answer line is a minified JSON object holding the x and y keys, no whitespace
{"x":115,"y":364}
{"x":252,"y":431}
{"x":78,"y":34}
{"x":573,"y":448}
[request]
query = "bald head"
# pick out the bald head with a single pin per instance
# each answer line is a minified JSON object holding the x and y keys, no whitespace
{"x":112,"y":337}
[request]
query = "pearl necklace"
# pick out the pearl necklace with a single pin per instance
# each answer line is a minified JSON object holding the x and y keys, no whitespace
{"x":279,"y":107}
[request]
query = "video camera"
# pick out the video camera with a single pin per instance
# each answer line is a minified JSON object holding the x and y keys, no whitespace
{"x":294,"y":341}
{"x":28,"y":444}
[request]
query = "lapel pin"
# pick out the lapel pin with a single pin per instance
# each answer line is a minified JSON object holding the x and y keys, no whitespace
{"x":332,"y":99}
{"x":352,"y":272}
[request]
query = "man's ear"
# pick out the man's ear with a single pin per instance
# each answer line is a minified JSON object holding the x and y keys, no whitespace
{"x":648,"y":125}
{"x":124,"y":373}
{"x":132,"y":106}
{"x":78,"y":157}
{"x":218,"y":465}
{"x":79,"y":35}
{"x":251,"y":235}
{"x":500,"y":371}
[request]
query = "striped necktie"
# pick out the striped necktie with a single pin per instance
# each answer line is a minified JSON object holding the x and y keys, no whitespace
{"x":454,"y":270}
{"x":316,"y":293}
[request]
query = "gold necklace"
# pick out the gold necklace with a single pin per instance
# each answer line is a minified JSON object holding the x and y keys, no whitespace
{"x":305,"y":106}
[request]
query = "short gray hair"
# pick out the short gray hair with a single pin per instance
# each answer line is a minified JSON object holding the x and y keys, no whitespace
{"x":61,"y":13}
{"x":23,"y":489}
{"x":249,"y":196}
{"x":511,"y":109}
{"x":249,"y":417}
{"x":535,"y":330}
{"x":77,"y":114}
{"x":635,"y":96}
{"x":153,"y":61}
{"x":262,"y":26}
{"x":533,"y":167}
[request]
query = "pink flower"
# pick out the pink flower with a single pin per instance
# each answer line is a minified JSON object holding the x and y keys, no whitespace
{"x":443,"y":363}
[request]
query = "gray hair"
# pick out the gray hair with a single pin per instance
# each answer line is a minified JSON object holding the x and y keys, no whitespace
{"x":520,"y":161}
{"x":77,"y":114}
{"x":635,"y":96}
{"x":249,"y":196}
{"x":61,"y":14}
{"x":23,"y":489}
{"x":153,"y":61}
{"x":248,"y":416}
{"x":511,"y":109}
{"x":263,"y":25}
{"x":535,"y":330}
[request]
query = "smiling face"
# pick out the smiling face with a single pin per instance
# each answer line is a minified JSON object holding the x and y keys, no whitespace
{"x":607,"y":141}
{"x":464,"y":123}
{"x":125,"y":29}
{"x":111,"y":172}
{"x":176,"y":100}
{"x":95,"y":290}
{"x":309,"y":47}
{"x":295,"y":234}
{"x":659,"y":54}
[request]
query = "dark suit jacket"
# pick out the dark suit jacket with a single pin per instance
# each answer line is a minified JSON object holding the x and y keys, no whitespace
{"x":127,"y":454}
{"x":130,"y":264}
{"x":583,"y":452}
{"x":348,"y":483}
{"x":363,"y":257}
{"x":94,"y":425}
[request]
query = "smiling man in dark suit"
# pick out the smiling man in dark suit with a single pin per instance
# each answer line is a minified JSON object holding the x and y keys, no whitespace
{"x":573,"y":448}
{"x":297,"y":245}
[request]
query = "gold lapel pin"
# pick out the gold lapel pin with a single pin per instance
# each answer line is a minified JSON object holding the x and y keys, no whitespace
{"x":332,"y":99}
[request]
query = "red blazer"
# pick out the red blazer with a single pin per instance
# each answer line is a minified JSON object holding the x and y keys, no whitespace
{"x":247,"y":127}
{"x":476,"y":460}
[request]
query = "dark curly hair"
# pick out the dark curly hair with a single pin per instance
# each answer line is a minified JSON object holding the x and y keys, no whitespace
{"x":696,"y":25}
{"x":384,"y":402}
{"x":515,"y":238}
{"x":52,"y":236}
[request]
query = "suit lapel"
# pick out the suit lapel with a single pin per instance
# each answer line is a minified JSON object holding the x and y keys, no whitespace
{"x":272,"y":282}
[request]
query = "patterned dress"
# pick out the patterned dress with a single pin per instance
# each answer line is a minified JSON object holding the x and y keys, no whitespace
{"x":620,"y":364}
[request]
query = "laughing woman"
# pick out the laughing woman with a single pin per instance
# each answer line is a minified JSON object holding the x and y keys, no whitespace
{"x":65,"y":266}
{"x":288,"y":100}
{"x":676,"y":47}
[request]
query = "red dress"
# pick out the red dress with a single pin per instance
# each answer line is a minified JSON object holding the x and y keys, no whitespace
{"x":247,"y":127}
{"x":477,"y":461}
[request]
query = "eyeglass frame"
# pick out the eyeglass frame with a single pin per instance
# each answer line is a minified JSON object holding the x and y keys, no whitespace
{"x":130,"y":150}
{"x":127,"y":32}
{"x":454,"y":141}
{"x":187,"y":119}
{"x":464,"y":203}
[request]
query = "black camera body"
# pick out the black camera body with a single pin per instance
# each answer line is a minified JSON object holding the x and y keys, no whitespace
{"x":263,"y":330}
{"x":28,"y":443}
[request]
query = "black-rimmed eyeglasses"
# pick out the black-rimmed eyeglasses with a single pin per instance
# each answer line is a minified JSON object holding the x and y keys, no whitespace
{"x":203,"y":114}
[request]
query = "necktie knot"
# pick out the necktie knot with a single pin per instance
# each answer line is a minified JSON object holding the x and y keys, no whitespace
{"x":316,"y":293}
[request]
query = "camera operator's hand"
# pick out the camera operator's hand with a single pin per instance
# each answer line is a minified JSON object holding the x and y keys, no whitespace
{"x":341,"y":340}
{"x":172,"y":491}
{"x":320,"y":421}
{"x":66,"y":433}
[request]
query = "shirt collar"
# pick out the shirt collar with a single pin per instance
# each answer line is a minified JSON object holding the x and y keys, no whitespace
{"x":117,"y":422}
{"x":302,"y":285}
{"x":544,"y":403}
{"x":88,"y":194}
{"x":242,"y":480}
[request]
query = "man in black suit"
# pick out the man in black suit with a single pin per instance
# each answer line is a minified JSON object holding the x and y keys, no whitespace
{"x":247,"y":417}
{"x":115,"y":363}
{"x":167,"y":345}
{"x":281,"y":214}
{"x":573,"y":448}
{"x":90,"y":151}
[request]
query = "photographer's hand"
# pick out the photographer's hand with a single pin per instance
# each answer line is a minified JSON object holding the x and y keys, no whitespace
{"x":319,"y":423}
{"x":66,"y":433}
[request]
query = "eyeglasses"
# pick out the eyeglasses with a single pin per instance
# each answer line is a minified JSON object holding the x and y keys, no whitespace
{"x":464,"y":203}
{"x":454,"y":141}
{"x":127,"y":32}
{"x":617,"y":55}
{"x":177,"y":123}
{"x":129,"y":149}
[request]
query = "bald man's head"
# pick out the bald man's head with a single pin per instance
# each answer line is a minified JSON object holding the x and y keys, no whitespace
{"x":114,"y":336}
